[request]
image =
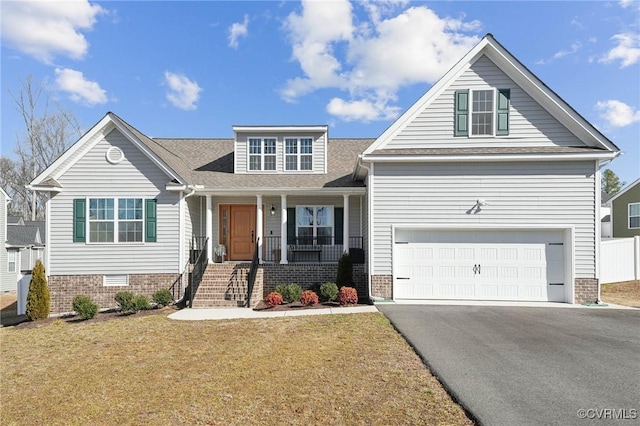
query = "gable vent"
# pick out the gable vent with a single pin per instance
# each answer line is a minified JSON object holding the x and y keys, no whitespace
{"x":115,"y":280}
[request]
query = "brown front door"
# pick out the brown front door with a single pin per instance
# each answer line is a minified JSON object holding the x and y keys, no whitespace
{"x":242,"y":231}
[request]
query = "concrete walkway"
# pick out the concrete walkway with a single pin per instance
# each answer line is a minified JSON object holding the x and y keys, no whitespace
{"x":199,"y":314}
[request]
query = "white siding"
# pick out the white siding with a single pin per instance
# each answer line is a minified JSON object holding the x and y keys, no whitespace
{"x":552,"y":193}
{"x":530,"y":124}
{"x":241,"y":157}
{"x":93,"y":176}
{"x":7,"y":280}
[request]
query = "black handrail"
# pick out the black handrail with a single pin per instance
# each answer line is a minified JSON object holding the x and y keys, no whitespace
{"x":251,"y":279}
{"x":199,"y":266}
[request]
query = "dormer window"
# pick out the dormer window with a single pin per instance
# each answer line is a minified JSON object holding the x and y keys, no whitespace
{"x":298,"y":153}
{"x":262,"y":154}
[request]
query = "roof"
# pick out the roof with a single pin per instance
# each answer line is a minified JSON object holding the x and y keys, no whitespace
{"x":40,"y":224}
{"x":14,"y":220}
{"x":625,"y":189}
{"x":23,"y":236}
{"x":604,"y":197}
{"x":521,"y":75}
{"x":210,"y":162}
{"x":488,"y":150}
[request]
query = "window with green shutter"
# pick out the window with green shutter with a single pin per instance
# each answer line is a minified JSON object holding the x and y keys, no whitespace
{"x":482,"y":112}
{"x":150,"y":225}
{"x":79,"y":220}
{"x":461,"y":113}
{"x":502,"y":112}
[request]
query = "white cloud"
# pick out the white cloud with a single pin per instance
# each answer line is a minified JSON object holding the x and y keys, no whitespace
{"x":625,"y":3}
{"x":237,"y":30}
{"x":183,"y":93}
{"x":618,"y":114}
{"x":373,"y":59}
{"x":79,"y":88}
{"x":627,"y":49}
{"x":46,"y":29}
{"x":565,"y":52}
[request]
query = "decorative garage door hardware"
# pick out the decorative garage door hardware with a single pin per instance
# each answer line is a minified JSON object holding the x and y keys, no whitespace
{"x":476,"y":269}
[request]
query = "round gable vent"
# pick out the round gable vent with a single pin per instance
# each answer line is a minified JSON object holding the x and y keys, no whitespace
{"x":114,"y":155}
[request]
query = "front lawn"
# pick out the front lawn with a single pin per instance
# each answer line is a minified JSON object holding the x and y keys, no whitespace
{"x":329,"y":369}
{"x":625,"y":293}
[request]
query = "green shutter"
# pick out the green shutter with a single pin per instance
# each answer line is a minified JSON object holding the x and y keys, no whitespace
{"x":79,"y":220}
{"x":338,"y":230}
{"x":461,"y":113}
{"x":291,"y":225}
{"x":502,"y":112}
{"x":150,"y":222}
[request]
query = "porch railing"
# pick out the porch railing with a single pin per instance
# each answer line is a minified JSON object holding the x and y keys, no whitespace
{"x":251,"y":279}
{"x":195,"y":247}
{"x":199,"y":266}
{"x":312,"y":249}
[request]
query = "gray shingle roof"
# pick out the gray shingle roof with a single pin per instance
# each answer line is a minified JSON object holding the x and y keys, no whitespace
{"x":14,"y":220}
{"x":23,"y":236}
{"x":488,"y":151}
{"x":40,"y":224}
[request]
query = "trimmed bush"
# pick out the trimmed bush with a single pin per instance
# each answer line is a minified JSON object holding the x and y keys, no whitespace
{"x":290,"y":292}
{"x":309,"y":298}
{"x":348,"y":296}
{"x":345,"y":271}
{"x":162,"y":297}
{"x":273,"y":299}
{"x":84,"y":307}
{"x":329,"y":292}
{"x":124,"y":299}
{"x":140,"y":303}
{"x":38,"y":298}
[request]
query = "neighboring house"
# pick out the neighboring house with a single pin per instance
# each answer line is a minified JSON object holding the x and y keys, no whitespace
{"x":484,"y":189}
{"x":625,"y":211}
{"x":8,"y":257}
{"x":15,"y":220}
{"x":605,"y":215}
{"x":24,"y":244}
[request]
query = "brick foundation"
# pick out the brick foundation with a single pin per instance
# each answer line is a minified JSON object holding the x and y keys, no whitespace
{"x":64,"y":288}
{"x":381,"y":286}
{"x":586,"y":290}
{"x":308,"y":274}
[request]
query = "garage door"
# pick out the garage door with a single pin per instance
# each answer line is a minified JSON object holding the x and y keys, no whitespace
{"x":479,"y":265}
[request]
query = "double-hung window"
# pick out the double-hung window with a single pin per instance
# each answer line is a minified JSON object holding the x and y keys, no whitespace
{"x":12,"y":260}
{"x":114,"y":220}
{"x":634,"y":216}
{"x":482,"y":112}
{"x":298,"y":153}
{"x":262,"y":154}
{"x":314,"y":225}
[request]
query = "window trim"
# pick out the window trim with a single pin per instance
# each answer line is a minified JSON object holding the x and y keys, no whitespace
{"x":629,"y":216}
{"x":315,"y":224}
{"x":115,"y":221}
{"x":14,"y":261}
{"x":262,"y":154}
{"x":298,"y":154}
{"x":494,"y":114}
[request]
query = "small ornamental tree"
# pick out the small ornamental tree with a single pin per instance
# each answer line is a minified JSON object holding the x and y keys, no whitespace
{"x":345,"y":271}
{"x":38,"y":298}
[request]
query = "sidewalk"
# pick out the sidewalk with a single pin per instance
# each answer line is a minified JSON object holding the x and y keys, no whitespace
{"x":199,"y":314}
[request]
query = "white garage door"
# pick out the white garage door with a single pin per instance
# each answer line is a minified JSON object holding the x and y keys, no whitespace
{"x":479,"y":265}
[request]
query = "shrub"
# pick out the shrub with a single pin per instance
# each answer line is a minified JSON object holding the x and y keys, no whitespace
{"x":140,"y":303}
{"x":273,"y":299}
{"x":345,"y":271}
{"x":38,"y":298}
{"x":162,"y":297}
{"x":290,"y":292}
{"x":329,"y":292}
{"x":309,"y":298}
{"x":84,"y":306}
{"x":125,"y":300}
{"x":348,"y":296}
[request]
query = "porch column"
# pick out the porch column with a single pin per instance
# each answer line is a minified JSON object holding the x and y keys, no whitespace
{"x":209,"y":227}
{"x":345,"y":224}
{"x":283,"y":229}
{"x":259,"y":235}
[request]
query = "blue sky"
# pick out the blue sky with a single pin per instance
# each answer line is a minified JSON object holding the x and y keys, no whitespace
{"x":194,"y":69}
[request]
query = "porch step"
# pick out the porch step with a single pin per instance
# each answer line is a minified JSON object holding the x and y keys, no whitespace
{"x":223,"y":285}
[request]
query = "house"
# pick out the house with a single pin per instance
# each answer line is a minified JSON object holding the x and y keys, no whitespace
{"x":486,"y":189}
{"x":605,"y":215}
{"x":8,"y":260}
{"x":625,"y":211}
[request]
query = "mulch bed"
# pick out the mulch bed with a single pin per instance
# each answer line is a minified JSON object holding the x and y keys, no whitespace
{"x":297,"y":306}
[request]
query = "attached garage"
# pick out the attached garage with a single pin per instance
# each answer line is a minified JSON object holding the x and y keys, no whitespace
{"x":482,"y":264}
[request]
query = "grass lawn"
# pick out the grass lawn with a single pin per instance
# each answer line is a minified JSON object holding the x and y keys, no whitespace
{"x":329,"y":369}
{"x":625,"y":293}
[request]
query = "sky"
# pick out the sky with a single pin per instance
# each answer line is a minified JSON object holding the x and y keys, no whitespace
{"x":195,"y":69}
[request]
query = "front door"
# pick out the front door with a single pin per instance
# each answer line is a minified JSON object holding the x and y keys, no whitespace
{"x":241,"y":232}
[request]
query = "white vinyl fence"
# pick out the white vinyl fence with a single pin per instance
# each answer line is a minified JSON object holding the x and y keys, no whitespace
{"x":619,"y":260}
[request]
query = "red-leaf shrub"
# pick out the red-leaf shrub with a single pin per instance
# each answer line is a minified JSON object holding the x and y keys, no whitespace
{"x":309,"y":298}
{"x":348,"y":296}
{"x":273,"y":299}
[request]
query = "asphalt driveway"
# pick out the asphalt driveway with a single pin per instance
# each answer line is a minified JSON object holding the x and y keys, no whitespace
{"x":521,"y":366}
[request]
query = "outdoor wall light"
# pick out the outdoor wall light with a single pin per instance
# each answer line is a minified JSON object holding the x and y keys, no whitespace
{"x":273,"y":210}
